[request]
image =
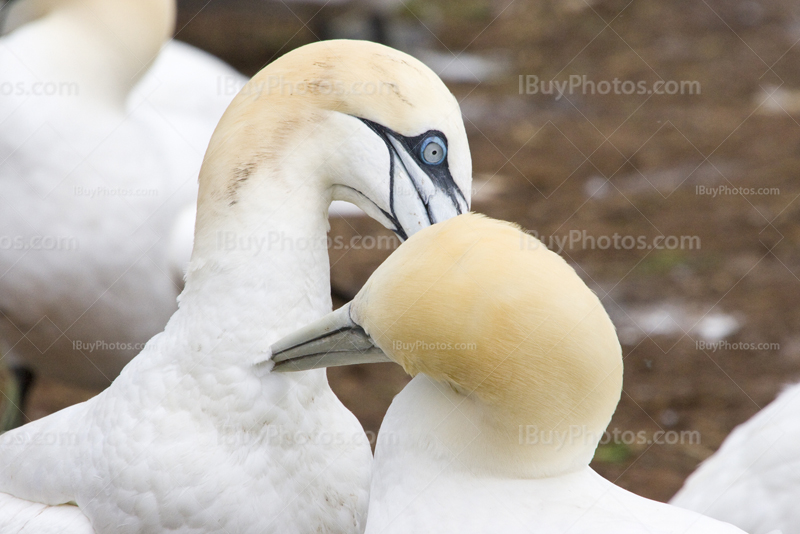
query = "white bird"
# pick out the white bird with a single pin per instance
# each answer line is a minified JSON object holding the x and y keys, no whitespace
{"x":89,"y":186}
{"x":98,"y":178}
{"x":517,"y":370}
{"x":753,"y":480}
{"x":193,"y":436}
{"x":25,"y":517}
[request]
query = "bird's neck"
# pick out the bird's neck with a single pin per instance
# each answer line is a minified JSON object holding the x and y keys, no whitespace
{"x":431,"y":424}
{"x":259,"y":270}
{"x":102,"y":46}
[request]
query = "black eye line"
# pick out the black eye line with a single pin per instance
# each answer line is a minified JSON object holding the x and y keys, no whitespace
{"x":439,"y":173}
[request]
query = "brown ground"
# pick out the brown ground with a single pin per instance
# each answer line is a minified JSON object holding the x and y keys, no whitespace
{"x":538,"y":153}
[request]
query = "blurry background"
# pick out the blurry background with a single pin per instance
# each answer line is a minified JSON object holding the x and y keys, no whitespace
{"x":707,"y":315}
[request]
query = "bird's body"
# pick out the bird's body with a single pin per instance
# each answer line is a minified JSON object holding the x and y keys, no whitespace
{"x":25,"y":517}
{"x":418,"y":482}
{"x":194,"y":436}
{"x":88,"y":188}
{"x":187,"y":433}
{"x":98,"y":179}
{"x":753,"y":480}
{"x":517,"y":371}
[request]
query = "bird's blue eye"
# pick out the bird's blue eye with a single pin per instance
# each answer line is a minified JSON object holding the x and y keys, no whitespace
{"x":433,"y":150}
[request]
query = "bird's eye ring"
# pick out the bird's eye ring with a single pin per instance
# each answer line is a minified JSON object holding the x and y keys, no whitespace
{"x":432,"y":150}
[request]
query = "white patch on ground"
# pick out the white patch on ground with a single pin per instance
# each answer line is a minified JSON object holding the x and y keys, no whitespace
{"x":487,"y":187}
{"x":466,"y":67}
{"x":671,"y":319}
{"x":774,"y":100}
{"x":663,"y":181}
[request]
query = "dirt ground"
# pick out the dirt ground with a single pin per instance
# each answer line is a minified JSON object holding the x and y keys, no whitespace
{"x":626,"y":164}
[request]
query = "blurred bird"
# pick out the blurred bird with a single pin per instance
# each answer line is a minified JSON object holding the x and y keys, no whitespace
{"x":103,"y":127}
{"x":195,"y":435}
{"x":753,"y":480}
{"x":88,"y":187}
{"x":517,"y":370}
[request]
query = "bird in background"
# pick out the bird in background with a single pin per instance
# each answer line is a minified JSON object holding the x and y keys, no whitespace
{"x":753,"y":480}
{"x":93,"y":180}
{"x":101,"y":142}
{"x":196,"y":435}
{"x":517,"y":371}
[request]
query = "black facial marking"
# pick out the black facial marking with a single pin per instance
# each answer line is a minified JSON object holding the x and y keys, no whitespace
{"x":438,"y":173}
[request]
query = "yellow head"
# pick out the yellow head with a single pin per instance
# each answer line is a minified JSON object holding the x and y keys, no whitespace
{"x":525,"y":348}
{"x":479,"y":305}
{"x":352,"y":120}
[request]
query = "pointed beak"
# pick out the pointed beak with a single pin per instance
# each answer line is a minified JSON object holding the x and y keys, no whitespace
{"x":331,"y":341}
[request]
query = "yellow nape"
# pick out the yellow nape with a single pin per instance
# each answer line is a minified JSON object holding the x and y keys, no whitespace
{"x":291,"y":98}
{"x":486,"y":308}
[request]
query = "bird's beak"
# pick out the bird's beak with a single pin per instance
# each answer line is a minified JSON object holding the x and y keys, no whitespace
{"x":331,"y":341}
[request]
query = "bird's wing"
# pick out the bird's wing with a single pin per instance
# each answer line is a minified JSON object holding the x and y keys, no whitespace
{"x":18,"y":516}
{"x":753,"y":480}
{"x":41,"y":461}
{"x":184,"y":80}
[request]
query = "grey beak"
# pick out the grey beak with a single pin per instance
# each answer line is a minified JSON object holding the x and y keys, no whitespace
{"x":331,"y":341}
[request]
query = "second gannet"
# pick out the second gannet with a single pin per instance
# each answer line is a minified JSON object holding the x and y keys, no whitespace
{"x":103,"y":127}
{"x":90,"y":188}
{"x":753,"y":480}
{"x":517,"y":372}
{"x":193,"y":436}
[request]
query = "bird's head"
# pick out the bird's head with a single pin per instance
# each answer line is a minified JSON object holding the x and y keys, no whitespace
{"x":343,"y":120}
{"x":504,"y":325}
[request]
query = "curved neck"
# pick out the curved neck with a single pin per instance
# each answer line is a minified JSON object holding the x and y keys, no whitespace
{"x":103,"y":46}
{"x":262,"y":271}
{"x":434,"y":425}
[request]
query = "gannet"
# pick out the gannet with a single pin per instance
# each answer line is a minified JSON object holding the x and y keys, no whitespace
{"x":99,"y":157}
{"x":753,"y":480}
{"x":193,"y":436}
{"x":517,"y":371}
{"x":90,"y":188}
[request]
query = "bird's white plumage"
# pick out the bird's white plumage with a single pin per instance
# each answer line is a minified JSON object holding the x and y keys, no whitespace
{"x":517,"y":372}
{"x":25,"y":517}
{"x":753,"y":480}
{"x":95,"y":173}
{"x":419,"y":485}
{"x":98,"y":193}
{"x":193,"y":436}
